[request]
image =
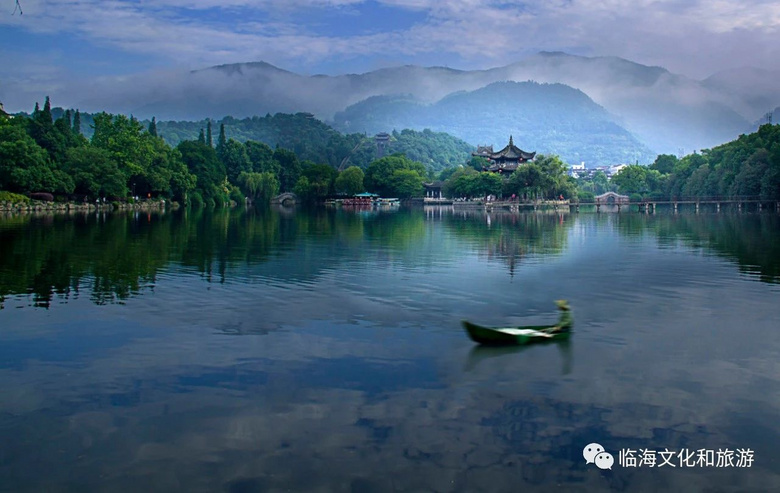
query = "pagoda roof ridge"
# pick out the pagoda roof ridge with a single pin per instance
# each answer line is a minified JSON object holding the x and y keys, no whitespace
{"x":511,"y":151}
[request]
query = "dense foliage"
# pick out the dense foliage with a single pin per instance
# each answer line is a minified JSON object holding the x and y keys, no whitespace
{"x":544,"y":178}
{"x":310,"y":139}
{"x":124,"y":157}
{"x":39,"y":154}
{"x":395,"y":176}
{"x":748,"y":166}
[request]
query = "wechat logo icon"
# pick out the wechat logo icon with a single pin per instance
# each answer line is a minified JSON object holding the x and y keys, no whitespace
{"x":595,"y":454}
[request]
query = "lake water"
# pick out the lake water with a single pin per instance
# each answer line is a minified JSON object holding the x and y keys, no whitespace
{"x":322,"y":351}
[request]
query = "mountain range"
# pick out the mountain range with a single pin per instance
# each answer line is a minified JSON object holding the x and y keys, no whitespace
{"x":665,"y":112}
{"x":545,"y":118}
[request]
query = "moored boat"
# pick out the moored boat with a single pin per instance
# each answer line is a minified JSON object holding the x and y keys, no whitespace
{"x":387,"y":201}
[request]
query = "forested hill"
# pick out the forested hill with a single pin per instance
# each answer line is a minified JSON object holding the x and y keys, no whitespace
{"x":313,"y":140}
{"x":747,"y":166}
{"x":547,"y":118}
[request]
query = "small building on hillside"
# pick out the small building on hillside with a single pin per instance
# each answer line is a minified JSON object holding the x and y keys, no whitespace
{"x":506,"y":160}
{"x":382,"y":140}
{"x":483,"y":151}
{"x":611,"y":198}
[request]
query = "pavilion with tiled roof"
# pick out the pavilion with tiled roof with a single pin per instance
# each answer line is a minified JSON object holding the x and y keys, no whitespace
{"x":506,"y":160}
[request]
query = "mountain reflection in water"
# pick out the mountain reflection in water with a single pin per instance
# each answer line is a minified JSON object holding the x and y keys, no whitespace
{"x":254,"y":351}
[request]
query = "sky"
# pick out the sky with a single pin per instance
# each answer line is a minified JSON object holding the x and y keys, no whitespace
{"x":57,"y":43}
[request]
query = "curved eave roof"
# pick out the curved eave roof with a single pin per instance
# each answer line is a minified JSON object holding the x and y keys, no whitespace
{"x":512,"y":152}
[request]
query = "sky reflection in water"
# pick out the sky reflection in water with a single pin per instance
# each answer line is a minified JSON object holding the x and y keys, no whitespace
{"x":323,"y":351}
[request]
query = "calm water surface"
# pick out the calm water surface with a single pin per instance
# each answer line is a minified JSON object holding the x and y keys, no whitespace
{"x":322,"y":351}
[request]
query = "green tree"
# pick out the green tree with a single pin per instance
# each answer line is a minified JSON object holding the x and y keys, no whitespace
{"x":77,"y":123}
{"x":478,"y":163}
{"x":95,"y":173}
{"x":153,"y":127}
{"x":222,"y":140}
{"x":748,"y":180}
{"x":25,"y":166}
{"x":380,"y":176}
{"x":631,"y":179}
{"x":321,"y":177}
{"x":698,"y":183}
{"x":202,"y":161}
{"x":556,"y":181}
{"x":529,"y":182}
{"x":261,"y":157}
{"x":42,"y":129}
{"x":600,"y":182}
{"x":460,"y":183}
{"x":447,"y":172}
{"x":664,"y":163}
{"x":209,"y":141}
{"x":235,"y":159}
{"x":289,"y":168}
{"x":406,"y":183}
{"x":260,"y":187}
{"x":350,"y":181}
{"x":304,"y":190}
{"x":488,"y":184}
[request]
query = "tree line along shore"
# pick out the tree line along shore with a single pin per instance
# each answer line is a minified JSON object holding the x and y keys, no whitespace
{"x":48,"y":163}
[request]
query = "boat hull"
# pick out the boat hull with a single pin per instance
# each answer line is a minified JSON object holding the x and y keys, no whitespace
{"x":518,"y":336}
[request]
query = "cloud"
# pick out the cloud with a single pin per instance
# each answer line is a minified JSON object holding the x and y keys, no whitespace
{"x":695,"y":38}
{"x":470,"y":29}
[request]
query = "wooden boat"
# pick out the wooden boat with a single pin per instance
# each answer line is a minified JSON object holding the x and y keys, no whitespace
{"x":525,"y":334}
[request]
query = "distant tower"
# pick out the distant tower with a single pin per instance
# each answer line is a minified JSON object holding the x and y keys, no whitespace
{"x":381,"y":139}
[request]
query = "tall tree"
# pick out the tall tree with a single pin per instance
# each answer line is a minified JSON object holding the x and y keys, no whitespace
{"x":77,"y":122}
{"x":153,"y":127}
{"x":201,"y":137}
{"x":262,"y":157}
{"x":209,"y":141}
{"x":41,"y":128}
{"x":235,"y":160}
{"x":202,"y":161}
{"x":46,"y":116}
{"x":289,"y":168}
{"x":222,"y":140}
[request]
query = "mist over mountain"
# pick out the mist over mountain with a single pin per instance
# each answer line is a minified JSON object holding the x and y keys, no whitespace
{"x":751,"y":91}
{"x":546,"y":118}
{"x":665,"y":111}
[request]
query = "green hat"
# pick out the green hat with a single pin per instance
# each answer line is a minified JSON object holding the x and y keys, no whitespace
{"x":562,"y":304}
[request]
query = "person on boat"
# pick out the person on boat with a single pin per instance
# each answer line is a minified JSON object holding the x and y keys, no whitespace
{"x":565,"y":321}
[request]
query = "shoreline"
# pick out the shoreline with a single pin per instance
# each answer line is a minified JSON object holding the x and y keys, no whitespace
{"x":54,"y":207}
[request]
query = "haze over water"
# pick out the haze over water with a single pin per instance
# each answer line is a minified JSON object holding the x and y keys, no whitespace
{"x":322,"y":350}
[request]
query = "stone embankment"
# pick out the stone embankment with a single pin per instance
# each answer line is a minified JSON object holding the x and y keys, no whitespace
{"x":54,"y":207}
